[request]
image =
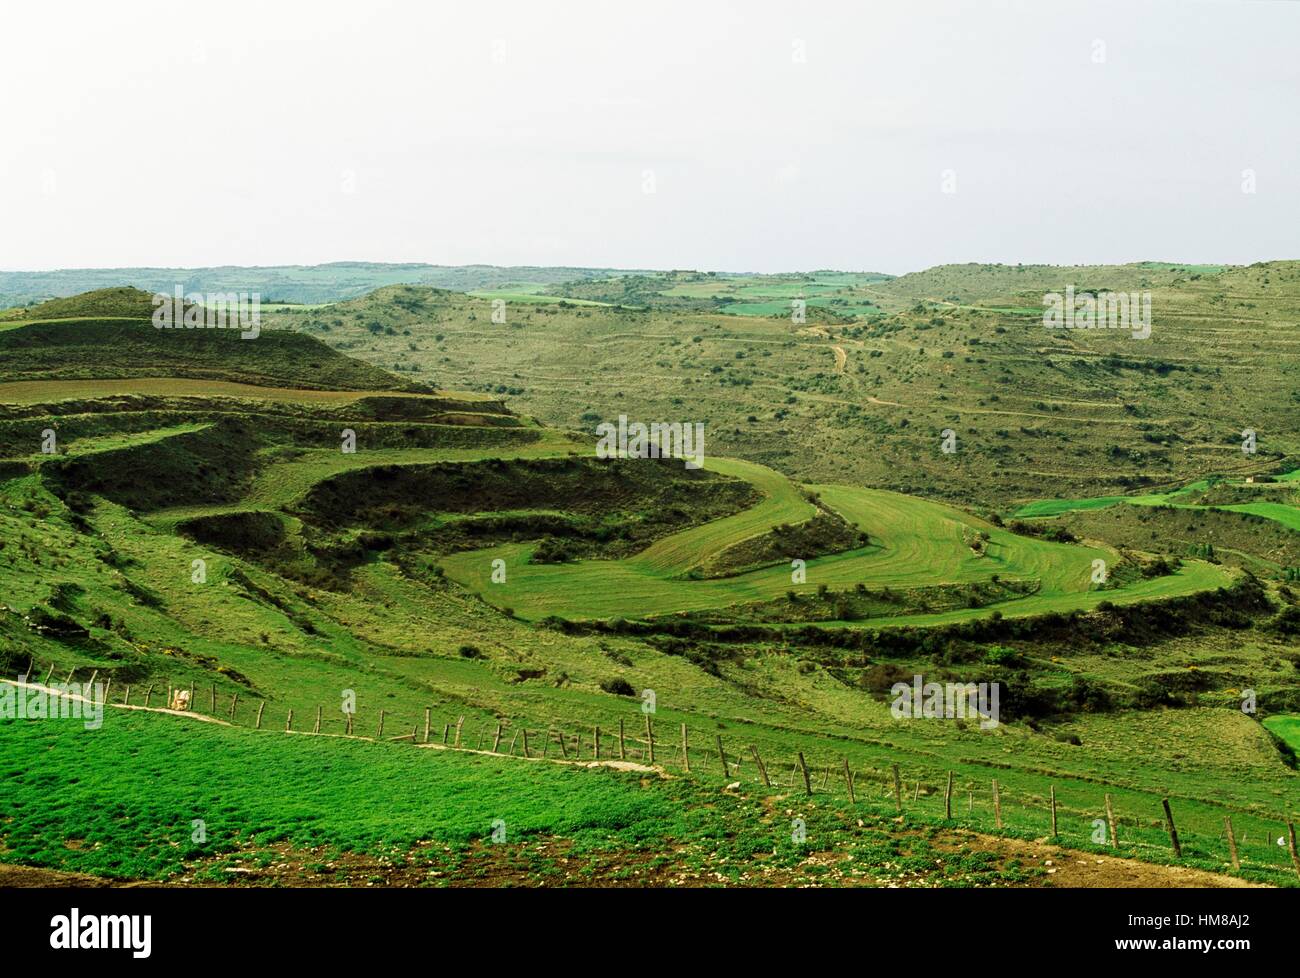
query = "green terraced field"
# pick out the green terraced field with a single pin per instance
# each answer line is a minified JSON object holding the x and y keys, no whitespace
{"x":1286,"y":727}
{"x":1284,"y":513}
{"x":915,"y":543}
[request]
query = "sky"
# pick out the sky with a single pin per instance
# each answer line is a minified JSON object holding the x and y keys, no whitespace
{"x":748,"y":136}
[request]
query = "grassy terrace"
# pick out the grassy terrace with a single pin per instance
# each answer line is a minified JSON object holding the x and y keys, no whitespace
{"x":914,"y":543}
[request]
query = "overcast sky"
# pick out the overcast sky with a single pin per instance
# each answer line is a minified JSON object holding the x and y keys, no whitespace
{"x":735,"y":136}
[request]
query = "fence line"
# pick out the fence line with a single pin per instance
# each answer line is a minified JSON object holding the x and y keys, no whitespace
{"x":838,"y":777}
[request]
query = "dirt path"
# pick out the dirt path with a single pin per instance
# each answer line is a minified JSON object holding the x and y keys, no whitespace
{"x":31,"y":876}
{"x":204,"y":718}
{"x":841,"y":359}
{"x":1070,"y":868}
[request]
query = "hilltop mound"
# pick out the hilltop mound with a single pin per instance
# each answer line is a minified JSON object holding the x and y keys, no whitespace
{"x":123,"y":302}
{"x":115,"y":348}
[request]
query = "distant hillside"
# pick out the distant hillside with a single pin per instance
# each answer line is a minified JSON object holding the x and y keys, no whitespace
{"x":108,"y":335}
{"x":865,"y":387}
{"x":962,"y":283}
{"x":281,"y":283}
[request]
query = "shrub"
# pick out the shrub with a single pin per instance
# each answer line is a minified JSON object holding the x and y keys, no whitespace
{"x":618,"y":686}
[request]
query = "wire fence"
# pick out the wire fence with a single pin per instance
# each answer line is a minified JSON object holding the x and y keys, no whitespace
{"x":1071,"y":812}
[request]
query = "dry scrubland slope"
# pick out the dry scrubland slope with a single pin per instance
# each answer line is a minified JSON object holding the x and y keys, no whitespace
{"x":1037,"y":413}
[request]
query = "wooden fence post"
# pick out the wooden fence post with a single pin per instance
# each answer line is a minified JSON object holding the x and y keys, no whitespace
{"x":762,"y":769}
{"x":288,"y":722}
{"x":898,"y":789}
{"x":460,"y":721}
{"x":686,"y":750}
{"x":380,"y":734}
{"x":947,"y":799}
{"x":997,"y":805}
{"x":1173,"y":832}
{"x":595,"y":750}
{"x":1291,"y":845}
{"x":513,"y":739}
{"x":148,"y":693}
{"x":126,"y":700}
{"x":848,"y":779}
{"x":803,"y":766}
{"x":446,"y":729}
{"x":426,"y":737}
{"x":260,"y":707}
{"x":496,"y":741}
{"x":650,"y":737}
{"x":213,"y":711}
{"x":234,"y":702}
{"x":320,"y":716}
{"x":1053,"y":791}
{"x":349,"y":727}
{"x":1232,"y":843}
{"x":48,"y":675}
{"x":427,"y":717}
{"x":564,"y":750}
{"x":1110,"y":820}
